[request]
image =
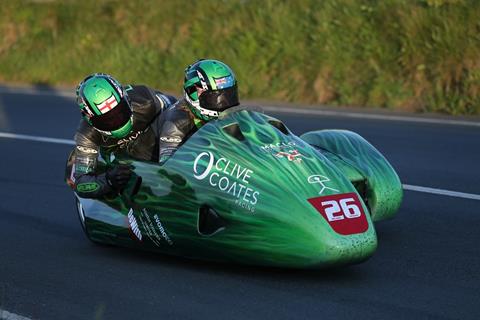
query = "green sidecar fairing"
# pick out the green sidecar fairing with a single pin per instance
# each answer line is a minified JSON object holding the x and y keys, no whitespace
{"x":245,"y":189}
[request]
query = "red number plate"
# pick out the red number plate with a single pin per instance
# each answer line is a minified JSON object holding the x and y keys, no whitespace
{"x":344,"y":212}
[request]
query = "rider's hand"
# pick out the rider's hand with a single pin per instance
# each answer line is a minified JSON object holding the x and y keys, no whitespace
{"x":118,"y":176}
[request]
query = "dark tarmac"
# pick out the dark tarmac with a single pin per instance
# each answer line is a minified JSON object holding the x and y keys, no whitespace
{"x":426,"y":267}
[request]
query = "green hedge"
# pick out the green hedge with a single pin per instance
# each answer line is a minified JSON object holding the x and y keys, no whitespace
{"x":421,"y":55}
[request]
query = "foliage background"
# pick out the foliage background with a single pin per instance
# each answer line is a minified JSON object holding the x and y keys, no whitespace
{"x":415,"y":55}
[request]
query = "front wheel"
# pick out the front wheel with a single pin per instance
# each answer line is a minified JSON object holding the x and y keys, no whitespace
{"x":81,"y":214}
{"x":81,"y":217}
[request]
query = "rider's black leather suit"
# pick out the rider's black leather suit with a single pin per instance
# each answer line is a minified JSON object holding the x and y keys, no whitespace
{"x":176,"y":124}
{"x":142,"y":143}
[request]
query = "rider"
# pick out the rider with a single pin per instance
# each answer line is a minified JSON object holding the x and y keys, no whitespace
{"x":209,"y":87}
{"x":116,"y":119}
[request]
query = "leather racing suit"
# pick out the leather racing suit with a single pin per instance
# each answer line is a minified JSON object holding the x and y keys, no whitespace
{"x":176,"y":124}
{"x":142,"y":142}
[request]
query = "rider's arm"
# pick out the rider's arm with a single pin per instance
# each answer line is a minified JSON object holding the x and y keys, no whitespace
{"x":170,"y":140}
{"x":176,"y":126}
{"x":165,"y":100}
{"x":161,"y":101}
{"x":88,"y":182}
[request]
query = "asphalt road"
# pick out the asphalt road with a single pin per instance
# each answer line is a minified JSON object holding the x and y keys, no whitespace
{"x":426,"y":267}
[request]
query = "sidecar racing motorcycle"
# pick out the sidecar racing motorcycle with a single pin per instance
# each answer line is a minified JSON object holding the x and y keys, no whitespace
{"x":245,"y":189}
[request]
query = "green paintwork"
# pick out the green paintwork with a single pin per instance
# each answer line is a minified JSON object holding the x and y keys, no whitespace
{"x":213,"y":69}
{"x":384,"y":192}
{"x":96,"y":90}
{"x":260,"y":195}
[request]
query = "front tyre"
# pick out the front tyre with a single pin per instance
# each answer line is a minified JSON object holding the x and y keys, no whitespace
{"x":81,"y":214}
{"x":81,"y":217}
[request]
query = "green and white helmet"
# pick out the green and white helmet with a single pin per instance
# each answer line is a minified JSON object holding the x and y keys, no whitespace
{"x":217,"y":84}
{"x":105,"y":105}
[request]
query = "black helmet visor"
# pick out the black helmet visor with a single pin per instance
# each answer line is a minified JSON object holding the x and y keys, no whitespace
{"x":113,"y":119}
{"x":219,"y":100}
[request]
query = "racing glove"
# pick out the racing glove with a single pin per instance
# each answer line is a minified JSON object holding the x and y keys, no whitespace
{"x":118,"y":176}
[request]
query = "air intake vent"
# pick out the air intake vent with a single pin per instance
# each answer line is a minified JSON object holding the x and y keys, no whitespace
{"x":209,"y":221}
{"x":280,"y":126}
{"x":234,"y":131}
{"x":362,"y":188}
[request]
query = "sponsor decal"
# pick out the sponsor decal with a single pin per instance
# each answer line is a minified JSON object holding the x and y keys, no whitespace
{"x":284,"y":149}
{"x":86,"y":150}
{"x":107,"y":105}
{"x":171,"y":139}
{"x":72,"y":174}
{"x":229,"y":177}
{"x":153,"y":229}
{"x":88,"y":187}
{"x":276,"y":147}
{"x":292,"y":155}
{"x":119,"y":88}
{"x":82,"y":169}
{"x":162,"y":230}
{"x":84,"y":164}
{"x":224,"y":82}
{"x":221,"y":81}
{"x":133,"y":226}
{"x":86,"y":109}
{"x":321,"y":180}
{"x":202,"y":80}
{"x":132,"y":137}
{"x":85,"y":160}
{"x":343,"y":212}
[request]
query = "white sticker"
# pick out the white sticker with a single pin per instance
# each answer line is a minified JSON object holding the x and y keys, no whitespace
{"x":86,"y":150}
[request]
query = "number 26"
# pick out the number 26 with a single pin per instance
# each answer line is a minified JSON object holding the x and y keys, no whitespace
{"x":338,"y":210}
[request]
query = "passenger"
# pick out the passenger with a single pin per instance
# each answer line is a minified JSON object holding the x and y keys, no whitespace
{"x":209,"y":87}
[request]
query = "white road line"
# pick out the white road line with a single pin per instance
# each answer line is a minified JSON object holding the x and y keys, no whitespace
{"x":330,"y":113}
{"x":442,"y":192}
{"x":35,"y":138}
{"x":405,"y":186}
{"x":360,"y":115}
{"x":5,"y":315}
